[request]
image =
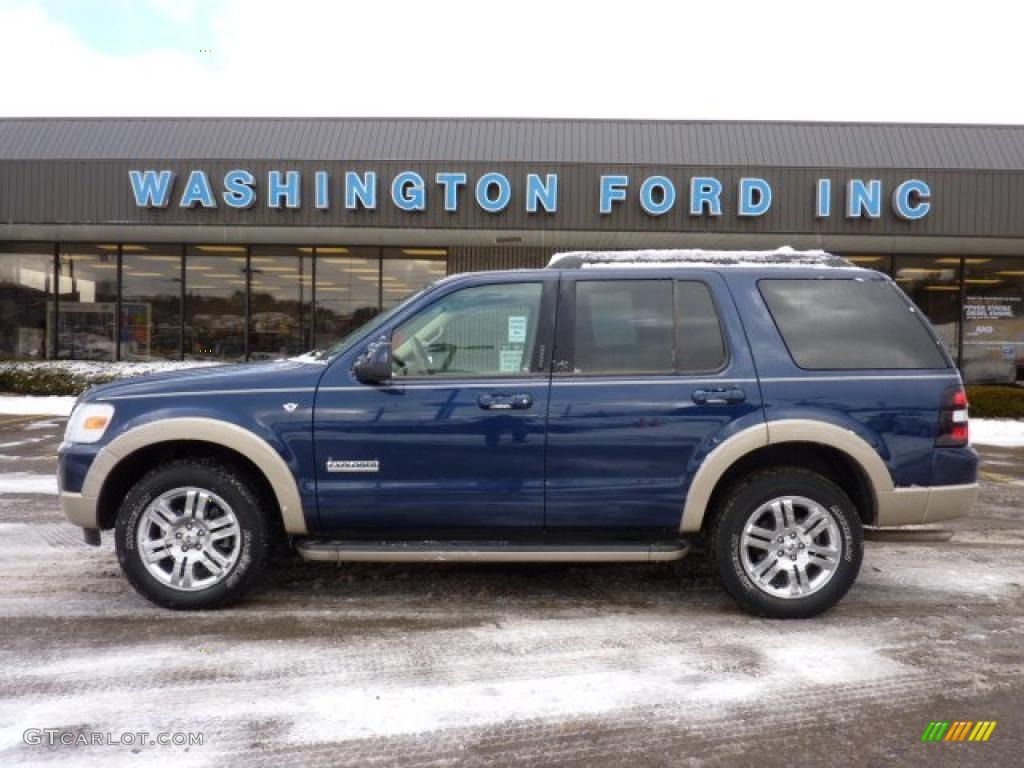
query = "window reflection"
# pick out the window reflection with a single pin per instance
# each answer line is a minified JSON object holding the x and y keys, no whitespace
{"x":407,"y":270}
{"x":26,"y":300}
{"x":215,"y":302}
{"x":934,"y":285}
{"x":347,"y":290}
{"x":151,"y":302}
{"x":994,"y":320}
{"x":87,"y":317}
{"x":280,"y":319}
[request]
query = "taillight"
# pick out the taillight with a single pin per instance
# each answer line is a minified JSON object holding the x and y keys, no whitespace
{"x":953,"y":425}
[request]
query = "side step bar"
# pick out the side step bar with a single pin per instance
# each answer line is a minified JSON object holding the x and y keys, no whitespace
{"x":487,"y":552}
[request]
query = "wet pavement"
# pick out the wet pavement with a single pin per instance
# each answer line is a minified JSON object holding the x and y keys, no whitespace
{"x":508,"y":664}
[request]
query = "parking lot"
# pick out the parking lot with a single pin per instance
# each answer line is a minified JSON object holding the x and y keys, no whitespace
{"x":508,"y":665}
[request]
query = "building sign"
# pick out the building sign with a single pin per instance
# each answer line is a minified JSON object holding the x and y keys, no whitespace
{"x":492,"y":192}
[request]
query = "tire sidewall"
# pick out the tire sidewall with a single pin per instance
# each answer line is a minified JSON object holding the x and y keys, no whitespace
{"x":752,"y":494}
{"x":231,"y":487}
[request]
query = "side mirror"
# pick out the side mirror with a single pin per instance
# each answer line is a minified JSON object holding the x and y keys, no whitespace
{"x":374,"y":365}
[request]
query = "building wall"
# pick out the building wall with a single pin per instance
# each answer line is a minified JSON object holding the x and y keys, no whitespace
{"x":975,"y":204}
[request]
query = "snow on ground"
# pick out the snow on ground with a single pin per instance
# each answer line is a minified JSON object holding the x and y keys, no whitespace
{"x":97,"y":368}
{"x":27,"y":405}
{"x":27,"y":482}
{"x":1003,"y":433}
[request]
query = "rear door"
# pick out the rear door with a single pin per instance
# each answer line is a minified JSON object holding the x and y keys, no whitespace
{"x":647,"y":371}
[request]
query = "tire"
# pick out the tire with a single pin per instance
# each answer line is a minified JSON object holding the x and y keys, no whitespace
{"x":827,"y":548}
{"x":226,"y":538}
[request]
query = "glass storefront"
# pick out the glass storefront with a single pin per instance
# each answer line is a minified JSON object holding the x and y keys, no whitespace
{"x":26,"y":301}
{"x":130,"y":301}
{"x":934,"y":285}
{"x":215,"y":290}
{"x":994,"y":321}
{"x":347,"y":290}
{"x":280,"y":302}
{"x":87,"y":299}
{"x":405,"y":270}
{"x":150,"y":302}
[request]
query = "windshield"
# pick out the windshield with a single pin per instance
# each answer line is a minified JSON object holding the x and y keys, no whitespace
{"x":366,"y":328}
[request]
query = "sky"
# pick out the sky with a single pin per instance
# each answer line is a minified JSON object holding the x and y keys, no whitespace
{"x":917,"y":61}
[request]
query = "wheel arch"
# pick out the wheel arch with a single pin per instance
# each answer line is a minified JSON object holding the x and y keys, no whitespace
{"x":134,"y":451}
{"x":854,"y":464}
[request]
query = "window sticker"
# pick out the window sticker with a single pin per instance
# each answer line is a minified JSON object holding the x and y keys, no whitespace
{"x":517,"y":329}
{"x":510,"y":359}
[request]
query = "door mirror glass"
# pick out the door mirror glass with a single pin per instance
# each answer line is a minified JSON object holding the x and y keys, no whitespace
{"x":374,"y":365}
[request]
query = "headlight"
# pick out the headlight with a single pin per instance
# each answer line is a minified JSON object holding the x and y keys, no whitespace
{"x":88,"y":423}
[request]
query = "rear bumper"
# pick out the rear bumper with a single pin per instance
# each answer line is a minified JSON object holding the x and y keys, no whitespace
{"x":913,"y":506}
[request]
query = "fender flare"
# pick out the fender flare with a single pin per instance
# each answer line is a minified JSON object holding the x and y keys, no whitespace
{"x":207,"y":430}
{"x":718,"y":462}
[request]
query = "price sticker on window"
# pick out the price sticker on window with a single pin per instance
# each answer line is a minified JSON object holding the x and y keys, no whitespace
{"x":517,"y":329}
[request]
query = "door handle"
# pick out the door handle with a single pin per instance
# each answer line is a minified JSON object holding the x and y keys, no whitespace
{"x":499,"y":402}
{"x":721,"y":396}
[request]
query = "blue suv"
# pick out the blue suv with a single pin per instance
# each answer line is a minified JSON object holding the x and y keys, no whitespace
{"x":614,"y":407}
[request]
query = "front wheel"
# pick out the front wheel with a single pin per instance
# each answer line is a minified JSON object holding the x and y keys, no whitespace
{"x":788,"y":543}
{"x":192,"y":535}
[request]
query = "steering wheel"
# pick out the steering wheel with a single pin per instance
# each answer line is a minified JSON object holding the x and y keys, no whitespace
{"x":420,"y":355}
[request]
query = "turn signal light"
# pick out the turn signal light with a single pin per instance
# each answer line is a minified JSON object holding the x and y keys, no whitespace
{"x":954,"y":430}
{"x":95,"y":422}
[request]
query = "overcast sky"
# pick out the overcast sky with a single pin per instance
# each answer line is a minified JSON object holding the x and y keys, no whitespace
{"x":929,"y":60}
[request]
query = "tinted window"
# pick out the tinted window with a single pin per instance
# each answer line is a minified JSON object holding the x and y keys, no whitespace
{"x":699,"y":342}
{"x":486,"y":330}
{"x":624,"y":326}
{"x":848,"y":324}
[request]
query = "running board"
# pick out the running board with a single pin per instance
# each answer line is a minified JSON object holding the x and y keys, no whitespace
{"x":487,"y":552}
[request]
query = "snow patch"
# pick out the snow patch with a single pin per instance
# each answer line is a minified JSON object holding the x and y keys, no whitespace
{"x":1003,"y":433}
{"x":28,"y":405}
{"x":26,"y":482}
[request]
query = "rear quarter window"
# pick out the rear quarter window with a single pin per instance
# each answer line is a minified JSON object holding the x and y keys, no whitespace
{"x":847,"y":324}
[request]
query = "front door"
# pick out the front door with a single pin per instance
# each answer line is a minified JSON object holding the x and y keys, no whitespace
{"x":455,"y":440}
{"x":648,"y":371}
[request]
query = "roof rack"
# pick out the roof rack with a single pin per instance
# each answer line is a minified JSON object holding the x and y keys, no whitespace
{"x":780,"y":257}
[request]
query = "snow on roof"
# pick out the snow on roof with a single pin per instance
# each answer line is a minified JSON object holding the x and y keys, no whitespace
{"x":780,"y":257}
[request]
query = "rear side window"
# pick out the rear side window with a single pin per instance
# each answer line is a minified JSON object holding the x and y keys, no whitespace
{"x":699,"y":343}
{"x":624,"y":326}
{"x":850,"y":324}
{"x":646,"y":326}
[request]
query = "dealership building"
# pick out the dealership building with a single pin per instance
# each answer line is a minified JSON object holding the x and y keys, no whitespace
{"x":235,"y":239}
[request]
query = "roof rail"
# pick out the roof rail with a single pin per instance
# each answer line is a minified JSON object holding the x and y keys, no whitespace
{"x":780,"y":257}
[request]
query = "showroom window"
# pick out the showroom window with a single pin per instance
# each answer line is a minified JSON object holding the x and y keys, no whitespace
{"x":215,"y":302}
{"x":151,"y":302}
{"x":280,"y":302}
{"x":993,"y":316}
{"x":87,"y":293}
{"x":933,"y":283}
{"x":347,"y":290}
{"x":26,"y":300}
{"x":404,"y":271}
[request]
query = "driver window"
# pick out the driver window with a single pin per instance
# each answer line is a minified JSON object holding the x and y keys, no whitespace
{"x":486,"y":330}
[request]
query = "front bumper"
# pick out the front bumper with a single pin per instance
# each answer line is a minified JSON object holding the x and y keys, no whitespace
{"x":913,"y":506}
{"x":80,"y":510}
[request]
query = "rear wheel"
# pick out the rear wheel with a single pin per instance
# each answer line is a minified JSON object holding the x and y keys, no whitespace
{"x":192,"y":534}
{"x":788,"y":543}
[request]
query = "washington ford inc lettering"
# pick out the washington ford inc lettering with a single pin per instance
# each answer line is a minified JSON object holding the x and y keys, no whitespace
{"x":492,"y":192}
